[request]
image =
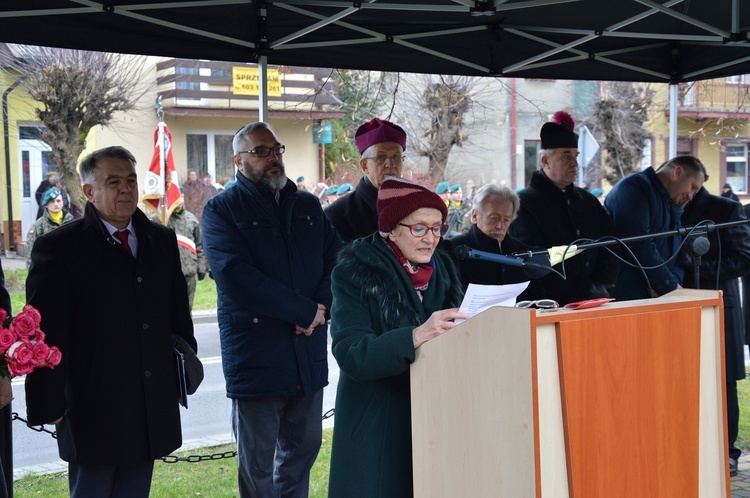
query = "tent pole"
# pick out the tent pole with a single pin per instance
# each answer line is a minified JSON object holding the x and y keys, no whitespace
{"x":263,"y":88}
{"x":672,"y":120}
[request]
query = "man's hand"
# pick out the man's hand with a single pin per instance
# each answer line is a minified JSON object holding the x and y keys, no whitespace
{"x":320,"y":319}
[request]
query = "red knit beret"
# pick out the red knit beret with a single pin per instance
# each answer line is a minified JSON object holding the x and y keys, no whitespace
{"x":398,"y":198}
{"x":378,"y":131}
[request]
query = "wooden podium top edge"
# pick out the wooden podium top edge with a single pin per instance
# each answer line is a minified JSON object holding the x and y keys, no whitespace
{"x":677,"y":299}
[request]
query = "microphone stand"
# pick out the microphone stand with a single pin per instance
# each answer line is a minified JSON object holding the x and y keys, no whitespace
{"x":700,"y":230}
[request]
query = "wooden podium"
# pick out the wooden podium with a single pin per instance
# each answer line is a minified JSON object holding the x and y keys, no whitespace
{"x":624,"y":400}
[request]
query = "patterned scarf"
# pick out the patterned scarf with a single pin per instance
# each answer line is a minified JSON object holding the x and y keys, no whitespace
{"x":418,"y":274}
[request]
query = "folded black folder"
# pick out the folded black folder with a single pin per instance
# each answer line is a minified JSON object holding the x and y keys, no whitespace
{"x":181,"y":377}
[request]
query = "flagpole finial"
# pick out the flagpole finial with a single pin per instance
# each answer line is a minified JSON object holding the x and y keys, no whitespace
{"x":159,"y":109}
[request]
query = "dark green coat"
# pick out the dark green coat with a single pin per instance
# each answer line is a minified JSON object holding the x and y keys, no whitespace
{"x":375,"y":309}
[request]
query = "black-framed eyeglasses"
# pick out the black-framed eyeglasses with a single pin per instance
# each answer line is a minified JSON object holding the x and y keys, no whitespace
{"x":544,"y":304}
{"x":420,"y":229}
{"x":265,"y":151}
{"x":381,"y":159}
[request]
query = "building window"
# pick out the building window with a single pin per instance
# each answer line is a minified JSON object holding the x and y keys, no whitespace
{"x":737,"y":167}
{"x":188,"y":85}
{"x":739,"y":79}
{"x":211,"y":152}
{"x":530,"y":159}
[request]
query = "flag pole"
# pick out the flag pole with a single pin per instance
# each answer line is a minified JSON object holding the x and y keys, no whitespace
{"x":162,"y":161}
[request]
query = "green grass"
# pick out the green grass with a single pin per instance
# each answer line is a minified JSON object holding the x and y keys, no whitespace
{"x":211,"y":478}
{"x":15,"y":282}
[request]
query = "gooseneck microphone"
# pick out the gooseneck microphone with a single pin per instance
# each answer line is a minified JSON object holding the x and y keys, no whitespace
{"x":466,"y":252}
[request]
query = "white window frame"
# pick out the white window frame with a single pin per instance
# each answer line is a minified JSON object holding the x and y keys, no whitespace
{"x":738,"y":182}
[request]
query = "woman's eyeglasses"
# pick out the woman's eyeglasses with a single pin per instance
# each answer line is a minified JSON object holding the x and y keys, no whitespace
{"x":543,"y":304}
{"x":420,"y":230}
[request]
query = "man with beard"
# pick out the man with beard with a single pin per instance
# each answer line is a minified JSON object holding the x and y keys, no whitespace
{"x":381,"y":144}
{"x":271,"y":250}
{"x":651,"y":202}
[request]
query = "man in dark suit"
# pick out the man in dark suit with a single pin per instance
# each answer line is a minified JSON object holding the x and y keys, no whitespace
{"x":113,"y":300}
{"x":727,"y":259}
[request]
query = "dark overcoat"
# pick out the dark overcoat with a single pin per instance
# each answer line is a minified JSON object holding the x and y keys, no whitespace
{"x":112,"y":317}
{"x":550,"y":217}
{"x":375,"y":310}
{"x":727,"y":259}
{"x":355,"y":215}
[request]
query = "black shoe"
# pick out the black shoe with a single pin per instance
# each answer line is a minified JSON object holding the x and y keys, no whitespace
{"x":732,"y":467}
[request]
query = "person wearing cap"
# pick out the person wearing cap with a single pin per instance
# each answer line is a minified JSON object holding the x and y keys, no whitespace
{"x":192,"y":257}
{"x":652,"y":202}
{"x":392,"y":292}
{"x":53,"y":217}
{"x":599,"y":194}
{"x":301,"y":183}
{"x":332,"y":195}
{"x":443,"y":189}
{"x":458,"y":212}
{"x":344,"y":189}
{"x":554,"y":212}
{"x":47,"y":183}
{"x":494,"y":209}
{"x":729,"y":193}
{"x":271,"y":251}
{"x":381,"y":145}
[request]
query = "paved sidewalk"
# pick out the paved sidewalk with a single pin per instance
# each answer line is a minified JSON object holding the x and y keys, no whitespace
{"x":741,"y":482}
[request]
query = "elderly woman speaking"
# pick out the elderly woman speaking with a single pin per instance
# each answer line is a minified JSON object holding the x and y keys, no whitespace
{"x":391,"y":293}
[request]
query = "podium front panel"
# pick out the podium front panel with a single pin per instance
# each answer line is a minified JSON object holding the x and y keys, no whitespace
{"x":623,"y":400}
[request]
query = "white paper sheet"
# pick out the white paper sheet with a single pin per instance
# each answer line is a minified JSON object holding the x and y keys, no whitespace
{"x":480,"y":297}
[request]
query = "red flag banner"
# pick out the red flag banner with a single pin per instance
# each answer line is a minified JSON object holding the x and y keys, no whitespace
{"x":162,"y":192}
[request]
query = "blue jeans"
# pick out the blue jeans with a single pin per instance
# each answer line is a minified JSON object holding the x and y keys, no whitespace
{"x":277,"y":443}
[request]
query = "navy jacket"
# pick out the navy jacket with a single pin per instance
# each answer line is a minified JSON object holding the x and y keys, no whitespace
{"x":112,"y":316}
{"x":639,"y":205}
{"x":272,"y":265}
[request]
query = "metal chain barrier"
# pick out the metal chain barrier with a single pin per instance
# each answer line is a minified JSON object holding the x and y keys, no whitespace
{"x":39,"y":428}
{"x":168,"y":458}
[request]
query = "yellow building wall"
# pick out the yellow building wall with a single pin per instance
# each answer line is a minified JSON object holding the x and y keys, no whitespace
{"x":706,"y":134}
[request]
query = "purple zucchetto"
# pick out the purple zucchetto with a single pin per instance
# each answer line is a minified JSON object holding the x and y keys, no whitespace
{"x":378,"y":131}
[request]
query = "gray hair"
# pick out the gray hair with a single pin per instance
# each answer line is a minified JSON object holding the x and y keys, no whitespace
{"x":544,"y":153}
{"x":368,"y":151}
{"x":238,"y":142}
{"x":88,"y":164}
{"x":487,"y":193}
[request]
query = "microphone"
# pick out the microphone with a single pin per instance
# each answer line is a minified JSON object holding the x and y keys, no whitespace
{"x":466,"y":252}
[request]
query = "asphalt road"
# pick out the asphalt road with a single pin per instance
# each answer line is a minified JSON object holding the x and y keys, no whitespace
{"x":204,"y":423}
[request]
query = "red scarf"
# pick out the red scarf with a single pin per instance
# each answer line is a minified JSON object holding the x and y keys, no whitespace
{"x":418,"y":274}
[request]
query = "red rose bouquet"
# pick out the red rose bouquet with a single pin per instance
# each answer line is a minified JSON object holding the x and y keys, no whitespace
{"x":22,"y":347}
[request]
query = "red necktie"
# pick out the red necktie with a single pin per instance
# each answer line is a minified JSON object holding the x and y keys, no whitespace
{"x":122,"y":235}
